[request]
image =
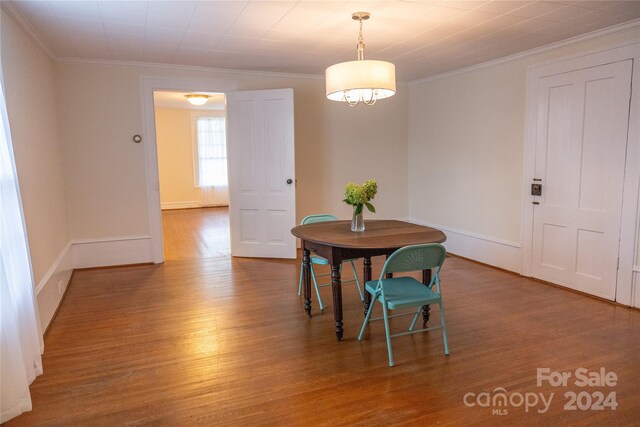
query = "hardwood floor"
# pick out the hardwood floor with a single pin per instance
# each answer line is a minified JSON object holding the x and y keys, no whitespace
{"x":225,"y":341}
{"x":196,"y":233}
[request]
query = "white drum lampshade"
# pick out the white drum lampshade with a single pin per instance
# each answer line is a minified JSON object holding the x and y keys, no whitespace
{"x":363,"y":80}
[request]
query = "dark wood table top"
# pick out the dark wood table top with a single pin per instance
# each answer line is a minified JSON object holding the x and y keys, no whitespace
{"x":378,"y":234}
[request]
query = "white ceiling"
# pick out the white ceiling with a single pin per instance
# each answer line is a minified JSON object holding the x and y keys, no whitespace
{"x":422,"y":38}
{"x":170,"y":99}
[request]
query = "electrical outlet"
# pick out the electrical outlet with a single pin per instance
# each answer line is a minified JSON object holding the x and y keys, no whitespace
{"x":60,"y":287}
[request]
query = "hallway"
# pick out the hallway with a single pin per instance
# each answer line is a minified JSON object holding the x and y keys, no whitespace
{"x":196,"y":233}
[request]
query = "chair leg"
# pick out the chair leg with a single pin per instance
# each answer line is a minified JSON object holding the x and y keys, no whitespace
{"x":315,"y":283}
{"x":444,"y":328}
{"x":355,"y":276}
{"x":387,"y":331}
{"x":415,"y":319}
{"x":366,"y":318}
{"x":300,"y":280}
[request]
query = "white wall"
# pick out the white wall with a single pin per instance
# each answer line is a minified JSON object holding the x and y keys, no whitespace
{"x":174,"y":139}
{"x":175,"y":157}
{"x":465,"y":153}
{"x":29,"y":78}
{"x":100,"y":111}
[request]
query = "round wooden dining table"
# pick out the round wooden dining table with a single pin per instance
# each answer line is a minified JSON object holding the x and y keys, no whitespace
{"x":335,"y":241}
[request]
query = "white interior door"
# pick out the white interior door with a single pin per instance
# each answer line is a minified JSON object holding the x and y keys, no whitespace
{"x":582,"y":123}
{"x":261,"y":164}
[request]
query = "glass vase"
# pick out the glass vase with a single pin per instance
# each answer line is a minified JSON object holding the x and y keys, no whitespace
{"x":357,"y":222}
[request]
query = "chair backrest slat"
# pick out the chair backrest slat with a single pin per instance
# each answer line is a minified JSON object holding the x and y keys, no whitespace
{"x":415,"y":257}
{"x":310,"y":219}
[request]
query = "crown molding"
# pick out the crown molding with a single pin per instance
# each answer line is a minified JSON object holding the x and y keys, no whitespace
{"x":33,"y":35}
{"x":17,"y":17}
{"x":567,"y":42}
{"x":188,"y":68}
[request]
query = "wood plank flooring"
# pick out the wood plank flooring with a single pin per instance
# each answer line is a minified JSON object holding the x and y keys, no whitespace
{"x":225,"y":341}
{"x":196,"y":233}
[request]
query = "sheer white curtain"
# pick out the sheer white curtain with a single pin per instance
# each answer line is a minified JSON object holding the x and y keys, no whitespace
{"x":212,"y":160}
{"x":21,"y":341}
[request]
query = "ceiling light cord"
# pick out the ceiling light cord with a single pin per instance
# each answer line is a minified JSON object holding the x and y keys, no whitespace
{"x":360,"y":46}
{"x":360,"y":49}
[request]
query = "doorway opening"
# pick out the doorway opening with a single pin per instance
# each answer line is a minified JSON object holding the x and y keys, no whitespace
{"x":261,"y":166}
{"x":192,"y":171}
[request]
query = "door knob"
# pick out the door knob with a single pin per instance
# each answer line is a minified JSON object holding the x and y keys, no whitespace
{"x":289,"y":181}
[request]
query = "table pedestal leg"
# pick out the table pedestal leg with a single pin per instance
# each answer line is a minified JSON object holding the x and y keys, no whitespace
{"x":336,"y":287}
{"x":306,"y":280}
{"x":367,"y":276}
{"x":426,"y":279}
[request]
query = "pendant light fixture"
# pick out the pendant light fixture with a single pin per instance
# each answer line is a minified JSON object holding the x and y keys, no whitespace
{"x":362,"y":80}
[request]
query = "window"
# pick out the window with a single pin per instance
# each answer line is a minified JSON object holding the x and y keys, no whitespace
{"x":211,"y":140}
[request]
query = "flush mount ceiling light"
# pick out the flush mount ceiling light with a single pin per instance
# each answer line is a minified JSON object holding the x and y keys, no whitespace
{"x":196,"y":99}
{"x":362,"y":80}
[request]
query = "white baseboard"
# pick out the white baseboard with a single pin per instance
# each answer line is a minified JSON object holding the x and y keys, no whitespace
{"x":111,"y":251}
{"x":180,"y":205}
{"x":86,"y":254}
{"x":51,"y":288}
{"x":488,"y":250}
{"x":635,"y":287}
{"x":188,"y":205}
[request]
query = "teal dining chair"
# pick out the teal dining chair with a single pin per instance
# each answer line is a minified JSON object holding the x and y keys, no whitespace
{"x":404,"y":292}
{"x":318,"y":260}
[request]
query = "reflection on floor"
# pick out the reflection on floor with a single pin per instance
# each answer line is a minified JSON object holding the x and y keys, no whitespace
{"x":226,"y":342}
{"x":196,"y":233}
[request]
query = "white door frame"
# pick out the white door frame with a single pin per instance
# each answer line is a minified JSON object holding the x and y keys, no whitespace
{"x":630,"y":222}
{"x":148,"y":86}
